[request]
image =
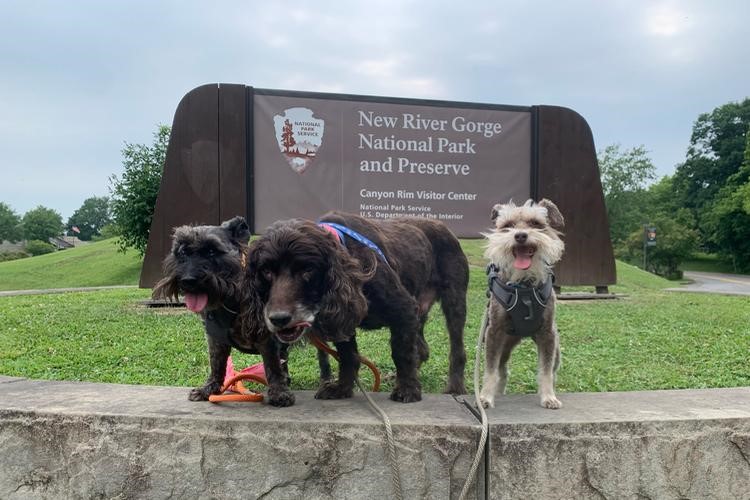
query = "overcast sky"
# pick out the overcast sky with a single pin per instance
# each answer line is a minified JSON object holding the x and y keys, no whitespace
{"x":78,"y":79}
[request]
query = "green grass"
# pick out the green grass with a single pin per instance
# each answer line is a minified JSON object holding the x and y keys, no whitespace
{"x":652,"y":339}
{"x":96,"y":264}
{"x":710,"y":263}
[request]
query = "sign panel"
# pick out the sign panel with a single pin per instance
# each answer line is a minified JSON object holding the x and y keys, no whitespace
{"x":387,"y":159}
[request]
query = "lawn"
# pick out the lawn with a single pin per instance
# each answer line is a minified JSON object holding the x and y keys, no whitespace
{"x":95,"y":264}
{"x":708,"y":263}
{"x":652,"y":339}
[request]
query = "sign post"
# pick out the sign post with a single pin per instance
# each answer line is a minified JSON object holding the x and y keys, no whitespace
{"x":649,"y":240}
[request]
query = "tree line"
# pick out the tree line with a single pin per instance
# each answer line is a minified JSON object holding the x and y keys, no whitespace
{"x":40,"y":224}
{"x":704,"y":206}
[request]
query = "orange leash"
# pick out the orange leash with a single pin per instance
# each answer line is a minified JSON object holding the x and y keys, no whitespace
{"x":238,"y":392}
{"x":375,"y":372}
{"x":235,"y":385}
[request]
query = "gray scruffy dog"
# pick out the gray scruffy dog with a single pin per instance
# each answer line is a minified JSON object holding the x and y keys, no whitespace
{"x":205,"y":265}
{"x":524,"y":246}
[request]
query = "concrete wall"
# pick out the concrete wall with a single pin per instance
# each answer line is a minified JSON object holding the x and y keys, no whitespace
{"x":691,"y":444}
{"x":82,"y":440}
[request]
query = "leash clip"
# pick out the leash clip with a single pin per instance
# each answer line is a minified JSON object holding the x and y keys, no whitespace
{"x":491,"y":272}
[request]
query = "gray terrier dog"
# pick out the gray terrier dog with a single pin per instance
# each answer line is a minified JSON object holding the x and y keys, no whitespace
{"x":206,"y":265}
{"x":522,"y":250}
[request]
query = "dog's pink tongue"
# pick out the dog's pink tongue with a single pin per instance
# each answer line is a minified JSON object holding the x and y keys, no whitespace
{"x":523,"y":257}
{"x":196,"y":302}
{"x":522,"y":262}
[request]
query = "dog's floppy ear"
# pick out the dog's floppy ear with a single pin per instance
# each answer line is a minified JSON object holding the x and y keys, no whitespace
{"x":555,"y":218}
{"x":252,"y":302}
{"x":167,"y":287}
{"x":251,"y":267}
{"x":343,"y":305}
{"x":237,"y":229}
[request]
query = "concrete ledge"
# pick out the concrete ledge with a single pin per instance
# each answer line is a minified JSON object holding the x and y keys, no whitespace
{"x":83,"y":440}
{"x":656,"y":444}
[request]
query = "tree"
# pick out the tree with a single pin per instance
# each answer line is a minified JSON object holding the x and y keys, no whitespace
{"x":715,"y":155}
{"x":134,"y":194}
{"x":10,"y":224}
{"x":728,"y":221}
{"x":624,"y":176}
{"x":675,"y":242}
{"x":90,"y":218}
{"x":287,"y":136}
{"x":41,"y":224}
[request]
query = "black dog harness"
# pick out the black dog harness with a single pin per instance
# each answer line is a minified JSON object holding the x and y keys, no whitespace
{"x":525,"y":304}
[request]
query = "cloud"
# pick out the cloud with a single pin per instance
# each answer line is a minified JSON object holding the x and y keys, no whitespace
{"x":666,"y":20}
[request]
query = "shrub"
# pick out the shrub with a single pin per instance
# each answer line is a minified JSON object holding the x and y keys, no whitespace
{"x":675,"y":242}
{"x":107,"y":232}
{"x":6,"y":256}
{"x":38,"y":247}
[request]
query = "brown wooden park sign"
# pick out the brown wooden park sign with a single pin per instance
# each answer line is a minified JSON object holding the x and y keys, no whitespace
{"x":272,"y":154}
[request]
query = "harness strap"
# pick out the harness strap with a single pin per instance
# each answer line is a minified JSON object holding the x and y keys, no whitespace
{"x":523,"y":303}
{"x":341,"y":230}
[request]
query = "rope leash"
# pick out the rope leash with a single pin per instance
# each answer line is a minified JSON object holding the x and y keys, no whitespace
{"x":395,"y":476}
{"x":485,"y":424}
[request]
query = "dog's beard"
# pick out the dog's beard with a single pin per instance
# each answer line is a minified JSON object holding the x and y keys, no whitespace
{"x":302,"y":319}
{"x":515,"y":263}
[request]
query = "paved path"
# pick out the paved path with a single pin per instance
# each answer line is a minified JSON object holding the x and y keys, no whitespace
{"x":730,"y":284}
{"x":8,"y":293}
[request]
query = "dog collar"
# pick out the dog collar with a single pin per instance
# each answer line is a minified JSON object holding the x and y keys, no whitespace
{"x":340,"y":231}
{"x":524,"y":303}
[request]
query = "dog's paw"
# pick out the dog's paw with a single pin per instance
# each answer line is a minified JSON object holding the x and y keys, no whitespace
{"x":202,"y":393}
{"x":551,"y":402}
{"x":407,"y":395}
{"x":280,"y":397}
{"x":455,"y":389}
{"x":487,"y":401}
{"x":333,"y":390}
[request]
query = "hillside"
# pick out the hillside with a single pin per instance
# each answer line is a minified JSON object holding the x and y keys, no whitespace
{"x":97,"y":264}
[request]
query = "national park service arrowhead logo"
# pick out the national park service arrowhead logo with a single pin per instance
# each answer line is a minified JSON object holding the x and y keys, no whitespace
{"x":299,"y":135}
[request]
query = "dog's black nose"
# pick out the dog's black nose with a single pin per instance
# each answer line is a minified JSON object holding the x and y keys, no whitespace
{"x":188,"y":282}
{"x":280,"y":318}
{"x":521,"y":237}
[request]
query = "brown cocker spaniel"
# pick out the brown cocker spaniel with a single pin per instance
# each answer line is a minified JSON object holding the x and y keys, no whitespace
{"x":309,"y":282}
